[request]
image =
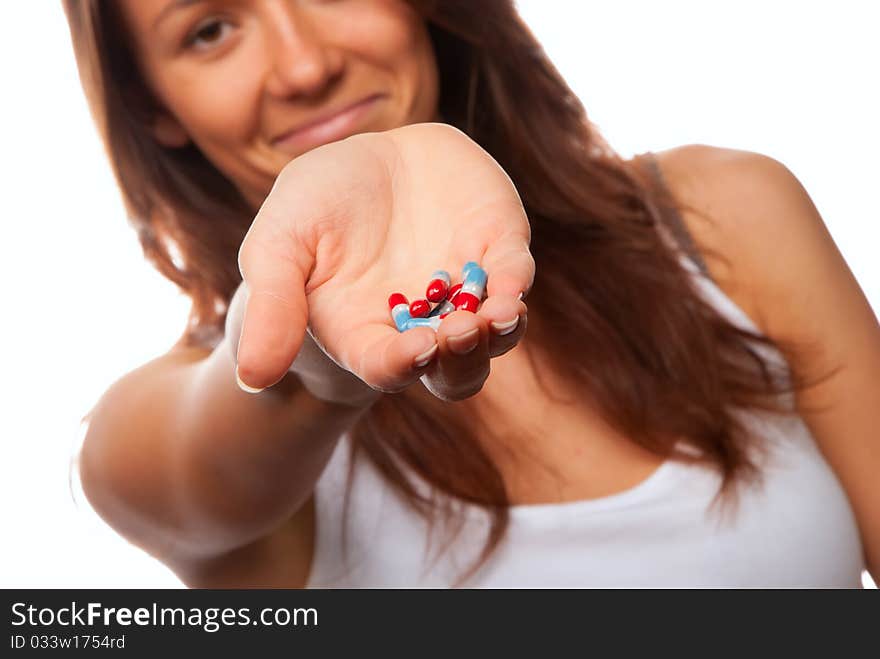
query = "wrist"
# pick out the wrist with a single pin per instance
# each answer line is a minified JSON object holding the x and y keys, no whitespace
{"x":350,"y":392}
{"x":327,"y":380}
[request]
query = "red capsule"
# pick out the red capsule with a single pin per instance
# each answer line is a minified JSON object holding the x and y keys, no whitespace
{"x":443,"y":315}
{"x":438,"y":287}
{"x":397,"y":298}
{"x":419,"y":308}
{"x":436,"y":290}
{"x":466,"y":302}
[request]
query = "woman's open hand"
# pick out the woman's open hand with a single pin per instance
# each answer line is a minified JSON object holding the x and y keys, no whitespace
{"x":351,"y":222}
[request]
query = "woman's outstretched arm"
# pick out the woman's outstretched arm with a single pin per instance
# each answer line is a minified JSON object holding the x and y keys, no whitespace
{"x":184,"y":462}
{"x":209,"y":479}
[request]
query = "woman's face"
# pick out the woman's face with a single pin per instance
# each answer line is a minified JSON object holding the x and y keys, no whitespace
{"x":247,"y":80}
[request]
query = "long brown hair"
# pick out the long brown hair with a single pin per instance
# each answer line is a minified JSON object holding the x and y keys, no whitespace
{"x":620,"y":320}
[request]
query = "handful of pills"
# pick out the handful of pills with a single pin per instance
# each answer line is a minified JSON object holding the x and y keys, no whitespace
{"x":467,"y":296}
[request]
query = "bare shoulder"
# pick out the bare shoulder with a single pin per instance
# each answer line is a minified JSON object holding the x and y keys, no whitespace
{"x":743,"y":209}
{"x":796,"y":285}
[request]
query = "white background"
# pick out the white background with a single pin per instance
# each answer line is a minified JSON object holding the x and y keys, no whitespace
{"x":794,"y":80}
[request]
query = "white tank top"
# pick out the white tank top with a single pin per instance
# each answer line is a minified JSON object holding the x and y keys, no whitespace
{"x":794,"y":528}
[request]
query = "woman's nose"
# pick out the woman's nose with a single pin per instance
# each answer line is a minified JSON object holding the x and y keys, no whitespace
{"x":300,"y":61}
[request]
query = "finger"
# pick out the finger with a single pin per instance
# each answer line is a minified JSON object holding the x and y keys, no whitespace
{"x":463,"y":361}
{"x":509,"y":265}
{"x":276,"y":312}
{"x":389,"y":360}
{"x":506,"y":318}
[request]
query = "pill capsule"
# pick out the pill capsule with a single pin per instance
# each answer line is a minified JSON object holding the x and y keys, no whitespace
{"x":472,"y":288}
{"x":474,"y":281}
{"x":438,"y":286}
{"x":433,"y":323}
{"x":467,"y":302}
{"x":467,"y":267}
{"x":443,"y":308}
{"x":419,"y":308}
{"x":447,"y":306}
{"x":399,"y":306}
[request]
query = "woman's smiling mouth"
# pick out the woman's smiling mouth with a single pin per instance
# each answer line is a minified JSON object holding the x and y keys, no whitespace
{"x":329,"y":128}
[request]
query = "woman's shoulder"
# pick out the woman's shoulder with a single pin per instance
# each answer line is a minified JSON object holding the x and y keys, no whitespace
{"x":799,"y":289}
{"x":742,"y":208}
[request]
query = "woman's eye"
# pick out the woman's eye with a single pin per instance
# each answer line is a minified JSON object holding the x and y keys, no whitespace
{"x":208,"y":34}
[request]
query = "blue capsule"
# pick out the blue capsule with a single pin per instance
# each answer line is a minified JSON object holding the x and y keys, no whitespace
{"x":467,"y":267}
{"x":432,"y":322}
{"x":474,"y":280}
{"x":399,"y":307}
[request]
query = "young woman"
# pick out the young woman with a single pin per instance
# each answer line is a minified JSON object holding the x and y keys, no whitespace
{"x":694,"y":402}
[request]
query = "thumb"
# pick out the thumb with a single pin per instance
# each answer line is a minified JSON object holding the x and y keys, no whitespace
{"x":275,"y":315}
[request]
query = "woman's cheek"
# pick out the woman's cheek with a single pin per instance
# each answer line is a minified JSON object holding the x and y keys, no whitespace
{"x":382,"y":30}
{"x":222,"y":104}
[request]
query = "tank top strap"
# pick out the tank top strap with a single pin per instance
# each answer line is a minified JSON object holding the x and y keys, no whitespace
{"x":671,"y":216}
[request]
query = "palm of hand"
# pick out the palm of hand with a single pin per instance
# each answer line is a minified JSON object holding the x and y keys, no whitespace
{"x":378,"y":213}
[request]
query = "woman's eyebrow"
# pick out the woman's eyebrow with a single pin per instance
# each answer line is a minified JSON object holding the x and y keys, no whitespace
{"x":171,"y":6}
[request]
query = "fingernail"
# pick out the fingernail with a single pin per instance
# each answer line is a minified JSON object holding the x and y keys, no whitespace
{"x":245,"y":387}
{"x":520,"y":296}
{"x":505,"y":327}
{"x":425,"y":357}
{"x":463,"y":343}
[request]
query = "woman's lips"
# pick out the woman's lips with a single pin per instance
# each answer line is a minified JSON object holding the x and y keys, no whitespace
{"x":331,"y":129}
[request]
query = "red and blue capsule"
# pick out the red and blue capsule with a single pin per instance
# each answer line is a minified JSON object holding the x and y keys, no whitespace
{"x":438,"y":286}
{"x":399,"y":306}
{"x":447,"y":306}
{"x":472,"y":288}
{"x":467,"y":267}
{"x":419,"y":308}
{"x":433,"y":323}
